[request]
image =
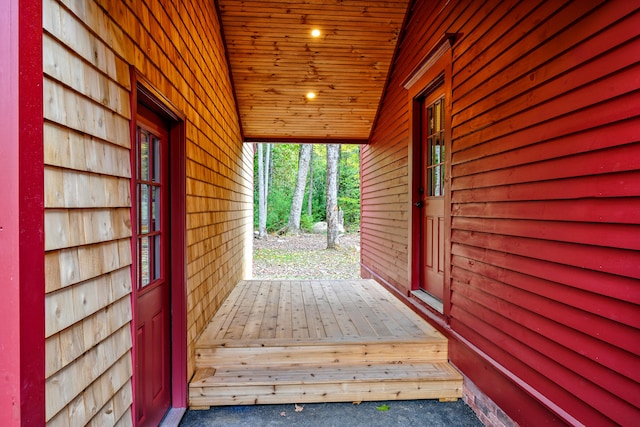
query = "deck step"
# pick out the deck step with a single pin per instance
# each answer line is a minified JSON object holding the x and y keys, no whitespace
{"x":280,"y":384}
{"x":346,"y":352}
{"x":294,"y":341}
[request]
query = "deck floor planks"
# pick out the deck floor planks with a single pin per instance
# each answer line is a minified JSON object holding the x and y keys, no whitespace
{"x":314,"y":321}
{"x":219,"y":325}
{"x":284,"y":320}
{"x":345,"y":294}
{"x":340,"y":311}
{"x":331,"y":326}
{"x":299,"y":327}
{"x":398,"y":311}
{"x":367,"y":310}
{"x":357,"y":310}
{"x":241,"y":316}
{"x":270,"y":318}
{"x":402,"y":323}
{"x":257,"y":312}
{"x":394,"y":325}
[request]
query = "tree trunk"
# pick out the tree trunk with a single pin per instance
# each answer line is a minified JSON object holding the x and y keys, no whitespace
{"x":293,"y":227}
{"x":333,"y":152}
{"x":263,"y":188}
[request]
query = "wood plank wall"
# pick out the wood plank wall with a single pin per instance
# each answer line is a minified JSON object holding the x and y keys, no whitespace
{"x":88,"y":49}
{"x":545,"y":195}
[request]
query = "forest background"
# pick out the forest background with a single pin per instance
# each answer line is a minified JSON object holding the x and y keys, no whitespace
{"x":283,"y":169}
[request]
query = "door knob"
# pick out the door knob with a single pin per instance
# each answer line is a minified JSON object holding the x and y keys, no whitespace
{"x":418,"y":204}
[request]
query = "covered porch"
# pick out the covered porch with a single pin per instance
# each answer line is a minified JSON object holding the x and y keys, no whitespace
{"x":302,"y":341}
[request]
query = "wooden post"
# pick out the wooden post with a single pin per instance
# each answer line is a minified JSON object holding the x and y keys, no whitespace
{"x":22,"y":215}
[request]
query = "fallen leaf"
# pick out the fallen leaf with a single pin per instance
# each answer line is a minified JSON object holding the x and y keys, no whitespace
{"x":358,"y":402}
{"x":299,"y":408}
{"x":283,"y":414}
{"x":383,"y":407}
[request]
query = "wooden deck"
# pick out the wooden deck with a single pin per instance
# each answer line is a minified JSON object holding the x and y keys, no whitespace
{"x":318,"y":341}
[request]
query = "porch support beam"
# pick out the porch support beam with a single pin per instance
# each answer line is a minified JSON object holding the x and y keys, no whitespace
{"x":323,"y":141}
{"x":22,"y":395}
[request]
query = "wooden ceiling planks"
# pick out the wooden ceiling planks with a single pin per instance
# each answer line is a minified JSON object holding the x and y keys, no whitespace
{"x":275,"y":62}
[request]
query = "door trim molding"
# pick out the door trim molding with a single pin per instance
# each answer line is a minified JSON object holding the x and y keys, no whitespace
{"x":144,"y":92}
{"x":436,"y":52}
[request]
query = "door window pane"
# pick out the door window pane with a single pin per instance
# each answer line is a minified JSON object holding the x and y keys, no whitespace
{"x":437,"y":172}
{"x":435,"y":141}
{"x":145,"y":262}
{"x":156,"y":257}
{"x":144,"y":155}
{"x":156,"y":208}
{"x":144,"y":208}
{"x":156,"y":160}
{"x":148,"y":205}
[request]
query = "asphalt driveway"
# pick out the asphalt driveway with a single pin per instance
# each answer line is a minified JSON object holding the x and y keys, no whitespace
{"x":431,"y":413}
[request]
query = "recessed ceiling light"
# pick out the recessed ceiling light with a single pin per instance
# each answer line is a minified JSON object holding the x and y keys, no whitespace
{"x":315,"y":32}
{"x":311,"y":95}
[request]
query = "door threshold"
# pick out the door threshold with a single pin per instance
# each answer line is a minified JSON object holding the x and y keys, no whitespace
{"x":172,"y":417}
{"x":428,"y":299}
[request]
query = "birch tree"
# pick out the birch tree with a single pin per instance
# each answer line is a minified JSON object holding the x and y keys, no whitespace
{"x":333,"y":153}
{"x":304,"y":157}
{"x":263,"y":187}
{"x":310,"y":198}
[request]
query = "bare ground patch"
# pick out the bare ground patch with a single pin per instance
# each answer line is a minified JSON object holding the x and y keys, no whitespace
{"x":306,"y":257}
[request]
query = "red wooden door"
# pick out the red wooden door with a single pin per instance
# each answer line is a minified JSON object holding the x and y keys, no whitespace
{"x":152,"y":372}
{"x":432,"y":235}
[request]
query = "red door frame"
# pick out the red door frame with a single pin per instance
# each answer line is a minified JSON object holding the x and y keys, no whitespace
{"x":22,"y":359}
{"x":435,"y":69}
{"x":429,"y":203}
{"x":153,"y":298}
{"x":143,"y":92}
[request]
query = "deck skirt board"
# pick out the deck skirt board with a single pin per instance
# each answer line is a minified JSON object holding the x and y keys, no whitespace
{"x":322,"y":374}
{"x":330,"y":353}
{"x":318,"y":341}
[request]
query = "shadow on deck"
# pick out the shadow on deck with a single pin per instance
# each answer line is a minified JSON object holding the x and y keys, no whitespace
{"x":275,"y":342}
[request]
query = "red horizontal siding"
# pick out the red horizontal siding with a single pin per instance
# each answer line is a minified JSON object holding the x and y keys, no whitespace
{"x":626,"y":236}
{"x":540,"y":64}
{"x":618,"y":287}
{"x":615,"y":159}
{"x":618,"y":311}
{"x":510,"y":298}
{"x":605,"y":114}
{"x":540,"y":369}
{"x":514,"y":154}
{"x":545,"y":206}
{"x":612,"y":185}
{"x":545,"y":196}
{"x":622,"y":210}
{"x":530,"y":331}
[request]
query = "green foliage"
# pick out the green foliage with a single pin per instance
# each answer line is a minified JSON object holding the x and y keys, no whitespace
{"x":306,"y":222}
{"x":349,"y":185}
{"x":319,"y":199}
{"x":351,"y":209}
{"x":282,"y":182}
{"x":278,"y":207}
